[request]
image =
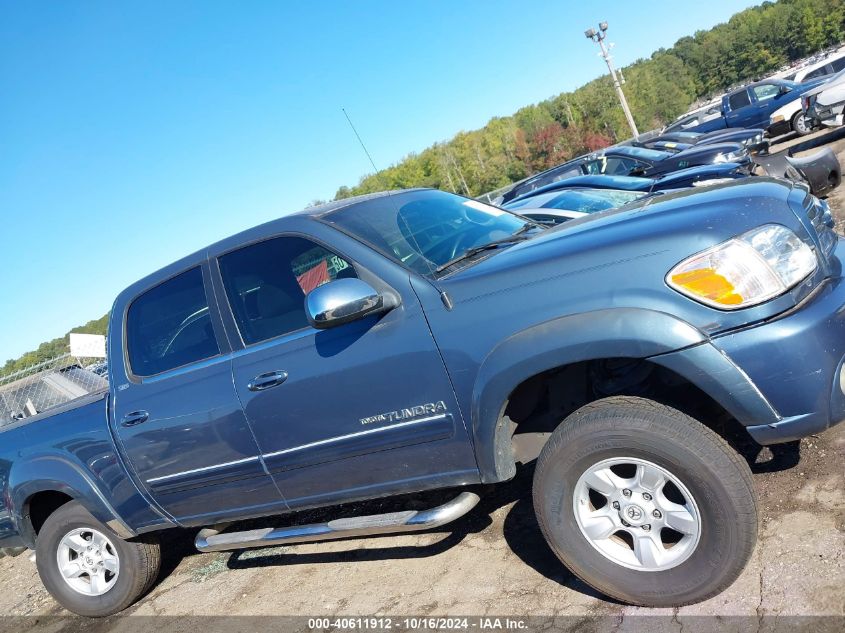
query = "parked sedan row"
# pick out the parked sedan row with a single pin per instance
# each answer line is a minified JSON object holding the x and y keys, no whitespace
{"x":684,"y":159}
{"x":723,"y":159}
{"x":560,"y":205}
{"x":578,"y":197}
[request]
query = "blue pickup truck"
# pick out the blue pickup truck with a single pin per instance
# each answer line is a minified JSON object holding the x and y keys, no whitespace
{"x":752,"y":106}
{"x":413,"y":340}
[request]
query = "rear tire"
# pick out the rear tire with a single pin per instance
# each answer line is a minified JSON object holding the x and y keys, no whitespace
{"x":710,"y":498}
{"x":90,"y":570}
{"x":800,"y":125}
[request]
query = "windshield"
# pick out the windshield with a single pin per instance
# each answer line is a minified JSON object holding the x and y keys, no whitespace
{"x":423,"y":230}
{"x":640,"y":152}
{"x":583,"y":200}
{"x":687,"y":136}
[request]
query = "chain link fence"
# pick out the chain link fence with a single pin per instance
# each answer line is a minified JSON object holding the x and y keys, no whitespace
{"x":54,"y":382}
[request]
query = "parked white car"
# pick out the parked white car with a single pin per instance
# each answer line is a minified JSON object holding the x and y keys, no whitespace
{"x":788,"y":118}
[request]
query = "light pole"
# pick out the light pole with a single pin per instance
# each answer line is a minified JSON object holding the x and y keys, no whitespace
{"x":598,"y":37}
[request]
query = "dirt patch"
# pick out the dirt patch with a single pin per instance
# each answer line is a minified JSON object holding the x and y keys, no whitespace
{"x":494,"y":560}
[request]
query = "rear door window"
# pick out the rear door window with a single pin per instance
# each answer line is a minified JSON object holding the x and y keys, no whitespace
{"x":169,"y":326}
{"x":739,"y":100}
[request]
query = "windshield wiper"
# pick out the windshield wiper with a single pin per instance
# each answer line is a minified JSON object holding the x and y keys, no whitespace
{"x":517,"y":236}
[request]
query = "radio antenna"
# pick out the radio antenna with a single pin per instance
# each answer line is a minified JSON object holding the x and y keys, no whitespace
{"x":410,"y":234}
{"x":364,"y":147}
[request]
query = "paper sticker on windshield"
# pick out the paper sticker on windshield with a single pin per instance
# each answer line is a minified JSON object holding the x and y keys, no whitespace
{"x":480,"y":206}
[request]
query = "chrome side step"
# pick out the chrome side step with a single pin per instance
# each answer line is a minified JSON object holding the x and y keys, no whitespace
{"x":211,"y":540}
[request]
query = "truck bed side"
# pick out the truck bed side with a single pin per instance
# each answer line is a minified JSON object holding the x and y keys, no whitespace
{"x":68,"y":453}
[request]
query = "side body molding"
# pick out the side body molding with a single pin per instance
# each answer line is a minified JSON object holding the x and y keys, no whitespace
{"x":616,"y":332}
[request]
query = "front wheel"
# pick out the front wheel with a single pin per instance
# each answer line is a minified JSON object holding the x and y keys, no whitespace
{"x":644,"y":503}
{"x":87,"y":568}
{"x":801,"y":125}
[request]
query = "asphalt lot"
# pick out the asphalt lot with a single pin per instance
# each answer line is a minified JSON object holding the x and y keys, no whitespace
{"x":495,"y":562}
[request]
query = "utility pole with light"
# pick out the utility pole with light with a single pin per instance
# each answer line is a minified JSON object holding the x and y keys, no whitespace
{"x":598,"y":37}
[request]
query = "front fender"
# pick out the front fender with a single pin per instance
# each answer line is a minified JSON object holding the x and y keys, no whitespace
{"x":618,"y":332}
{"x":57,"y":473}
{"x":786,"y":112}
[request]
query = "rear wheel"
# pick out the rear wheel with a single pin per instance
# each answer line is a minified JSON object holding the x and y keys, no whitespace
{"x":800,"y":124}
{"x":645,"y":504}
{"x":87,"y":568}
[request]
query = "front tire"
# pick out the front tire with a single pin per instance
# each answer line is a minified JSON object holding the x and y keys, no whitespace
{"x":644,"y":503}
{"x":87,"y":568}
{"x":800,"y":125}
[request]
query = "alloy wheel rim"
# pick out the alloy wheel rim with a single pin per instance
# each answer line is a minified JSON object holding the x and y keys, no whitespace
{"x":88,"y":561}
{"x":637,"y":514}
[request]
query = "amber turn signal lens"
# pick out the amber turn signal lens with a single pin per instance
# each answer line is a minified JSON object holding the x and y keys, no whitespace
{"x":707,"y":283}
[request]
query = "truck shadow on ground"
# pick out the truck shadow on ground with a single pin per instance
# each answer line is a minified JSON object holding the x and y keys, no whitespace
{"x":520,"y":531}
{"x":519,"y":527}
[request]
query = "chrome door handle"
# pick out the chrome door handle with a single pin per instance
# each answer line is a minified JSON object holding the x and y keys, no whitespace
{"x":267,"y":380}
{"x":136,"y":417}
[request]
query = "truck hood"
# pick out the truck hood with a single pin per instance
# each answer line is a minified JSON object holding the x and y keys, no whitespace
{"x":836,"y":81}
{"x":725,"y":210}
{"x":816,"y":86}
{"x":619,"y":258}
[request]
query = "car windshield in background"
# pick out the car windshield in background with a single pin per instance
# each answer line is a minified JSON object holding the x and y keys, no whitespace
{"x":654,"y":155}
{"x":424,"y":230}
{"x":567,"y":170}
{"x":583,"y":200}
{"x":690,"y":137}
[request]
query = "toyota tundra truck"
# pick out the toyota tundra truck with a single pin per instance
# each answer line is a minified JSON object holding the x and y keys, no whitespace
{"x":412,"y":340}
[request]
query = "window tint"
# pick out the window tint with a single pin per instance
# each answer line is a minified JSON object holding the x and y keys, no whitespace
{"x":266,"y":284}
{"x":818,"y":72}
{"x":739,"y":100}
{"x":838,"y":64}
{"x":764,"y":92}
{"x":170,"y":326}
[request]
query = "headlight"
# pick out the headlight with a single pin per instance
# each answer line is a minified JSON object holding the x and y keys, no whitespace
{"x":731,"y":157}
{"x":746,"y":270}
{"x":754,"y":140}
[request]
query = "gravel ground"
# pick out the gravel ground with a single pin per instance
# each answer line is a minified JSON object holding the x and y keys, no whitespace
{"x":494,"y":560}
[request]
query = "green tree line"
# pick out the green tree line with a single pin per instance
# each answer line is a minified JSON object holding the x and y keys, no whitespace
{"x":752,"y":44}
{"x":54,"y":348}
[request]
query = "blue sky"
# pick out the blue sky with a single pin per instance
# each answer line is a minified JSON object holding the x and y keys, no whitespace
{"x":132,"y":133}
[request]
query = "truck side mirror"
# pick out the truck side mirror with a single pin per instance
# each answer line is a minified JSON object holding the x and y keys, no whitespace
{"x":345,"y":300}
